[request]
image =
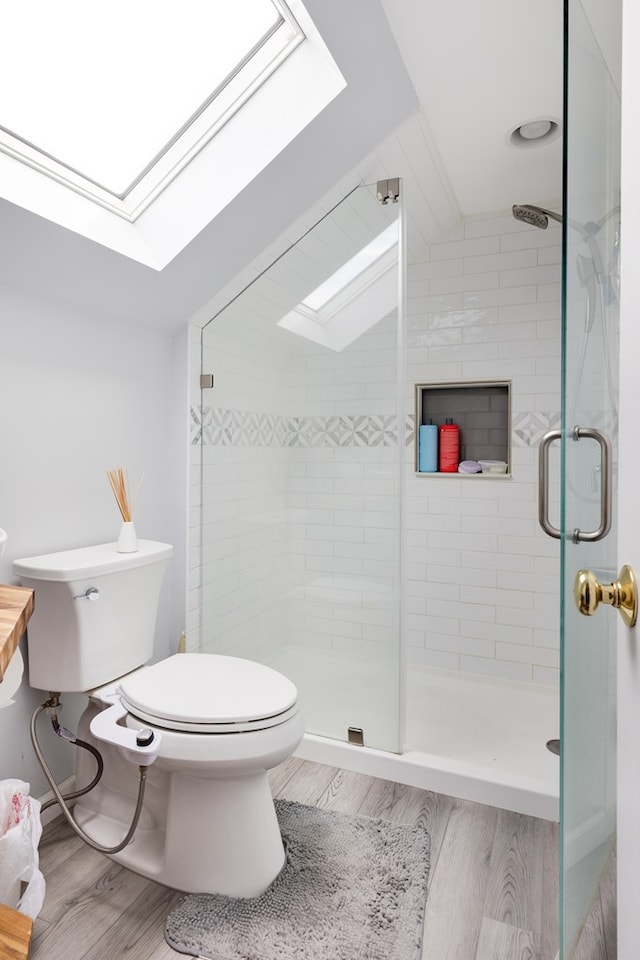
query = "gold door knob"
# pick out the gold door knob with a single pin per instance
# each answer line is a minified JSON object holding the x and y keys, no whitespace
{"x":622,"y":594}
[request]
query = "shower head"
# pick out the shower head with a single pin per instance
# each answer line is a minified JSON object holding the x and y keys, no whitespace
{"x":536,"y":216}
{"x":539,"y":217}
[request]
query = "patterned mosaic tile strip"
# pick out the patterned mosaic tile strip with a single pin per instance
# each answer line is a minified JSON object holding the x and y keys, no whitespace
{"x":239,"y":428}
{"x":528,"y":429}
{"x":213,"y":426}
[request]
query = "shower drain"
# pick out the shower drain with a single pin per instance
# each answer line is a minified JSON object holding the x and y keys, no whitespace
{"x":554,"y":747}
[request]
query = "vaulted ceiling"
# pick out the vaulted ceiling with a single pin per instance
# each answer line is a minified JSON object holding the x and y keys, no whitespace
{"x":433,"y":91}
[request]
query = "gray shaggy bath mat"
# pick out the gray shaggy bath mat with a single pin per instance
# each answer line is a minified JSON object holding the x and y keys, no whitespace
{"x":352,"y":888}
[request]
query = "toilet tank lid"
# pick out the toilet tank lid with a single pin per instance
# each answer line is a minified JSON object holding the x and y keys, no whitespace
{"x":90,"y":561}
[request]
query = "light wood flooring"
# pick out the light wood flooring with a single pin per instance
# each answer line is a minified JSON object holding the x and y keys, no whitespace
{"x":598,"y":939}
{"x":493,"y":884}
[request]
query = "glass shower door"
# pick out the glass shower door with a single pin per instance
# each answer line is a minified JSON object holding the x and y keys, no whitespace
{"x":589,"y":447}
{"x":302,"y":439}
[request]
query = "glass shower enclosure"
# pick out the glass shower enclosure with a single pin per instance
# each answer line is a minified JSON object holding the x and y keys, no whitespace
{"x":590,"y":420}
{"x":302,"y":439}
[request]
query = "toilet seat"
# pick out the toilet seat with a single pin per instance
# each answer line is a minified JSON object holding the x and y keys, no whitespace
{"x":208,"y":693}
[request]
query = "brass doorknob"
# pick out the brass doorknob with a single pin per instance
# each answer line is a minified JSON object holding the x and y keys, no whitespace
{"x":588,"y":593}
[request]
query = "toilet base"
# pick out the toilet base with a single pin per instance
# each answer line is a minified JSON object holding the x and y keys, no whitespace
{"x":236,"y":851}
{"x":198,"y":832}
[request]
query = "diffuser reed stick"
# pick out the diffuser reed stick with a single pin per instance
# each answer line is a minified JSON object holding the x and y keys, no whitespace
{"x":120,"y":486}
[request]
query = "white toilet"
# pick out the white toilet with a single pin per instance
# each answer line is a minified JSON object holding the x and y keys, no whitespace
{"x":209,"y":726}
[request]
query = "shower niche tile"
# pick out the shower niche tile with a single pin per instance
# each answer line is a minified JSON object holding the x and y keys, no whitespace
{"x":482,"y":411}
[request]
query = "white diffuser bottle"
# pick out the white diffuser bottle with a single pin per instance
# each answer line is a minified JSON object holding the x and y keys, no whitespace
{"x":127,"y":540}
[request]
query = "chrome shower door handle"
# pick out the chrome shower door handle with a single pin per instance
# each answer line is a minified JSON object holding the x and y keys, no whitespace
{"x":590,"y":433}
{"x":578,"y":536}
{"x":543,"y":484}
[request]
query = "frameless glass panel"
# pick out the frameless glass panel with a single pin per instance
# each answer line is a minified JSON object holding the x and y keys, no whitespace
{"x":588,"y":759}
{"x":302,"y":441}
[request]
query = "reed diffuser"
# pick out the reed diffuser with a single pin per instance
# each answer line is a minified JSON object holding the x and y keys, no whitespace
{"x":127,"y":540}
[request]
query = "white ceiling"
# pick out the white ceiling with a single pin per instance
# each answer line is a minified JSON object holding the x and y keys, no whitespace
{"x":480,"y":69}
{"x":433,"y":90}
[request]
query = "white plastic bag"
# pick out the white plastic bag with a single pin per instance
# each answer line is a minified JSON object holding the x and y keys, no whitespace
{"x":20,"y":832}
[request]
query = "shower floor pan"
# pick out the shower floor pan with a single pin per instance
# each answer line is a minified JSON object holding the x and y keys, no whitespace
{"x":468,"y":736}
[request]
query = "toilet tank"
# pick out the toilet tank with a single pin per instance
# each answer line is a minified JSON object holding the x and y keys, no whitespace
{"x":95,"y":613}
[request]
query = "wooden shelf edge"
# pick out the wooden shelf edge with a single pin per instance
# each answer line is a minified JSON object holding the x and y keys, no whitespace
{"x":15,"y":934}
{"x":16,"y":607}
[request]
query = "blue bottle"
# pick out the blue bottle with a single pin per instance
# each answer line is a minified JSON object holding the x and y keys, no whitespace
{"x":428,"y":448}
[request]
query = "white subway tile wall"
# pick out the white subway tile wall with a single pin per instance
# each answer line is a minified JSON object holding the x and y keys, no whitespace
{"x":299,"y":508}
{"x":482,"y":579}
{"x":300,"y":494}
{"x":240,"y":555}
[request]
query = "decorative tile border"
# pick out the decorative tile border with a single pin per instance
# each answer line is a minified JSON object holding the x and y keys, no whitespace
{"x":212,"y":426}
{"x":528,"y":429}
{"x":241,"y":428}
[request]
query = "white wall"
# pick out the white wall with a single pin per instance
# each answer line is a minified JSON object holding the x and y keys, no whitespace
{"x":482,"y":577}
{"x":239,"y":521}
{"x":298,"y":544}
{"x":80,"y":395}
{"x":344,"y":496}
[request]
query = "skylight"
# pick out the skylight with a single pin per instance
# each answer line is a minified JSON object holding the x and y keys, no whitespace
{"x":105,"y":106}
{"x":114,"y":102}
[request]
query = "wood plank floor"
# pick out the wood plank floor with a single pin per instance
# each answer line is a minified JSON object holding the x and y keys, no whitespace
{"x":492,"y":888}
{"x":598,"y":939}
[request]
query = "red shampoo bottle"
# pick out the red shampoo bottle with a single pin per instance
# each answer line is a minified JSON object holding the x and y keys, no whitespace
{"x":449,"y":447}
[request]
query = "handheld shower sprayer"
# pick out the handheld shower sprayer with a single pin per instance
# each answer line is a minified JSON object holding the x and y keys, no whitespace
{"x":593,"y":276}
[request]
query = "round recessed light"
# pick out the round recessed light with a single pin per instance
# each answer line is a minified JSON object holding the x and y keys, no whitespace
{"x":534,"y":133}
{"x":535,"y":129}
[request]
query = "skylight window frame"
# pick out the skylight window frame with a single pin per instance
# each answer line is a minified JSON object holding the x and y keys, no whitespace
{"x":217,"y":110}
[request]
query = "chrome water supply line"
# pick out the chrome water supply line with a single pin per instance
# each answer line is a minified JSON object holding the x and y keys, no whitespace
{"x":52,"y":706}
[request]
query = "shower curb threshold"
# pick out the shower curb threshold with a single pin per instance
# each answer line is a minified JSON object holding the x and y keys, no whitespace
{"x":480,"y":784}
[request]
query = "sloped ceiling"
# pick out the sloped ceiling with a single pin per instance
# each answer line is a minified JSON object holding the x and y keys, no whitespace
{"x":432,"y":91}
{"x":480,"y":70}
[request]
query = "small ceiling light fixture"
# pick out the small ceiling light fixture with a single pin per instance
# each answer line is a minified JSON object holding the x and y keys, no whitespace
{"x":534,"y":133}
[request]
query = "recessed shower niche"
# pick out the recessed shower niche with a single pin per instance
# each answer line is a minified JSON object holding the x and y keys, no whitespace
{"x":482,"y":412}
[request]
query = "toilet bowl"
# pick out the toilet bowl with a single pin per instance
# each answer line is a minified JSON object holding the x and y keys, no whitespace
{"x":218,"y":725}
{"x":206,"y":727}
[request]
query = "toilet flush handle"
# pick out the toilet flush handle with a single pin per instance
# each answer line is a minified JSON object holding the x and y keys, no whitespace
{"x":91,"y":593}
